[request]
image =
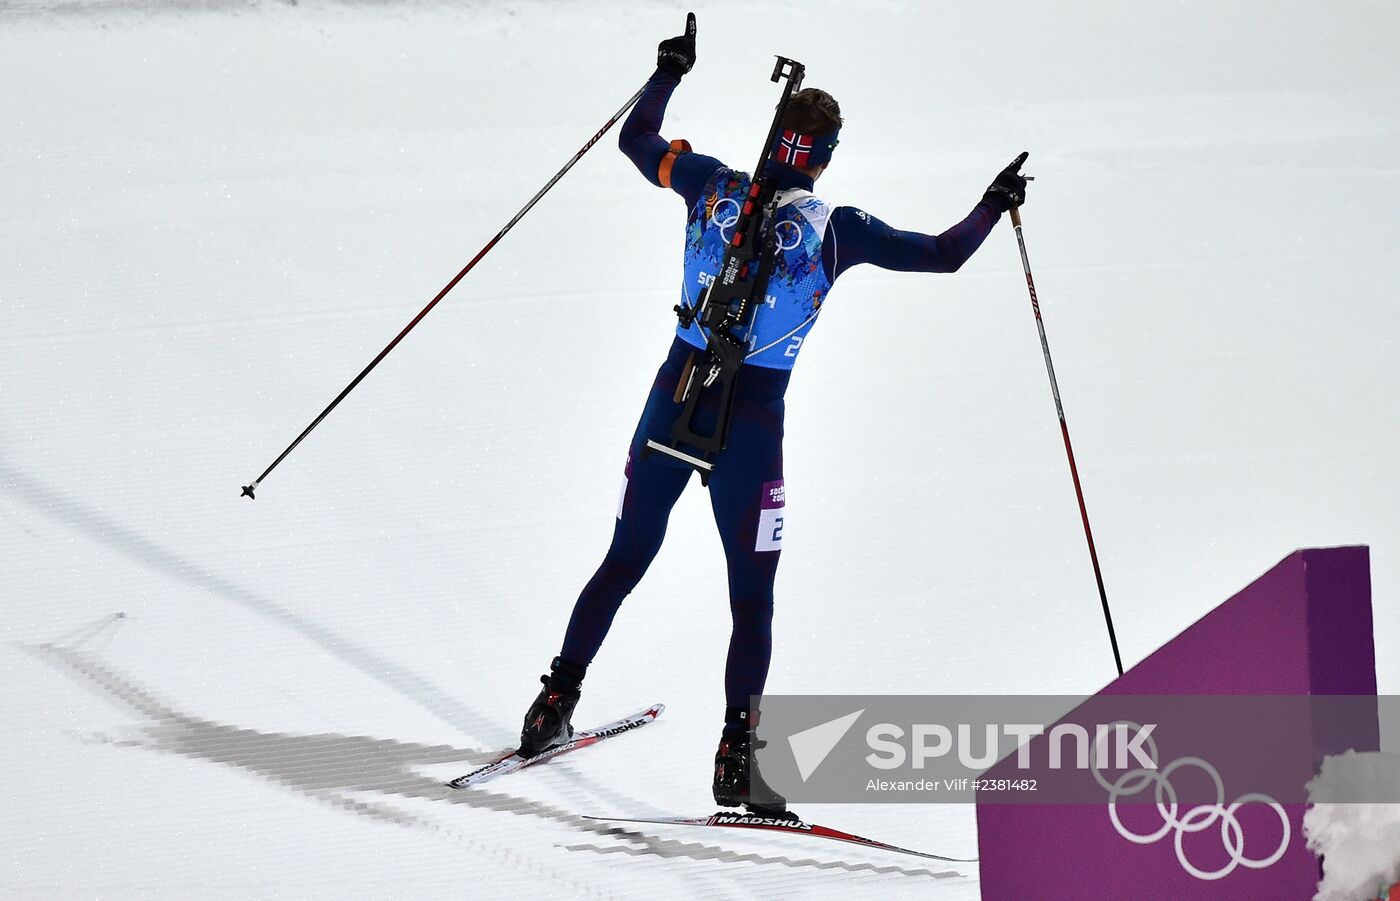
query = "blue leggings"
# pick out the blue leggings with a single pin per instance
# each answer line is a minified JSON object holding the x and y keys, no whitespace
{"x":746,"y":492}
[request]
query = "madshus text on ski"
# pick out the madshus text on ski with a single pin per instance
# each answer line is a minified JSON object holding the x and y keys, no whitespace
{"x":762,"y":254}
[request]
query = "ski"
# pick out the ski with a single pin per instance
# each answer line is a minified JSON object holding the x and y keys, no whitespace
{"x":510,"y":762}
{"x":778,"y":824}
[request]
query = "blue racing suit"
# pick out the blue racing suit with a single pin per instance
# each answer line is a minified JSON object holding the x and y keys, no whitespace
{"x":816,"y":244}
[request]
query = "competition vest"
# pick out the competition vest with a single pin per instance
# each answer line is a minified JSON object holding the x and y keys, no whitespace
{"x":798,"y":286}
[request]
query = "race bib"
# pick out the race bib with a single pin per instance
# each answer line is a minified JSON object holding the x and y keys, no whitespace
{"x":770,"y":517}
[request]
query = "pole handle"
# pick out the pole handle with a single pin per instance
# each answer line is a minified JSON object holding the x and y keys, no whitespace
{"x":1016,"y":216}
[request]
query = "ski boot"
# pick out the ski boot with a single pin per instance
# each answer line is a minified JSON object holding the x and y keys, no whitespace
{"x":547,"y":721}
{"x":737,"y":779}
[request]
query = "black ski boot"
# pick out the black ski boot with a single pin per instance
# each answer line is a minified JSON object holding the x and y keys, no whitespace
{"x":547,"y":721}
{"x":737,"y":779}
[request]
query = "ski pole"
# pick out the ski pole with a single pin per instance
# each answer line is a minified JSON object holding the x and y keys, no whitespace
{"x":248,"y":489}
{"x":1064,"y":430}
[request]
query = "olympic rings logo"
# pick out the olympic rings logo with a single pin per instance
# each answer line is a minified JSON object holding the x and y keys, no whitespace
{"x":722,"y":222}
{"x":730,"y":218}
{"x":1196,"y":819}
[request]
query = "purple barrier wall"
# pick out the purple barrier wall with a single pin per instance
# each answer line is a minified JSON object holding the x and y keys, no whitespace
{"x":1303,"y":628}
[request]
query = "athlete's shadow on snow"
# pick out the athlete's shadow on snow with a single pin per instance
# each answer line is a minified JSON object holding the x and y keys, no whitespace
{"x":131,"y":544}
{"x":151,"y":556}
{"x":335,"y":768}
{"x":126,"y":541}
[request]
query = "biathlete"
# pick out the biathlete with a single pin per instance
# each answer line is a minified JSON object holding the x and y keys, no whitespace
{"x":815,"y":244}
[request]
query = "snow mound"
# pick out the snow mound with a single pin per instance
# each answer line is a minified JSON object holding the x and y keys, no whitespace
{"x":1359,"y":843}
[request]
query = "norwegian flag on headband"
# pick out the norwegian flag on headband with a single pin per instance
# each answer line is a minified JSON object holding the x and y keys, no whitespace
{"x":794,"y":149}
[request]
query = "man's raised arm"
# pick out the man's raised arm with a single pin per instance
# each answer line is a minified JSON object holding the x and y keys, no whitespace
{"x":666,"y":164}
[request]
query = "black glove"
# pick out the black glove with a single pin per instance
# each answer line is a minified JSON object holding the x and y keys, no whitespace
{"x":1008,"y":189}
{"x":677,"y":55}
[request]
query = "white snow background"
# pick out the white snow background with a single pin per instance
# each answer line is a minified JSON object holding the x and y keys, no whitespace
{"x":212,"y":216}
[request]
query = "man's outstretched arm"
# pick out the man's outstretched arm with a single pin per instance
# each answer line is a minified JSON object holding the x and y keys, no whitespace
{"x":858,"y":237}
{"x":663,"y":163}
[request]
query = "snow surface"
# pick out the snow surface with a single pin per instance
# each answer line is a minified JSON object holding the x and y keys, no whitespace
{"x":214,"y":215}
